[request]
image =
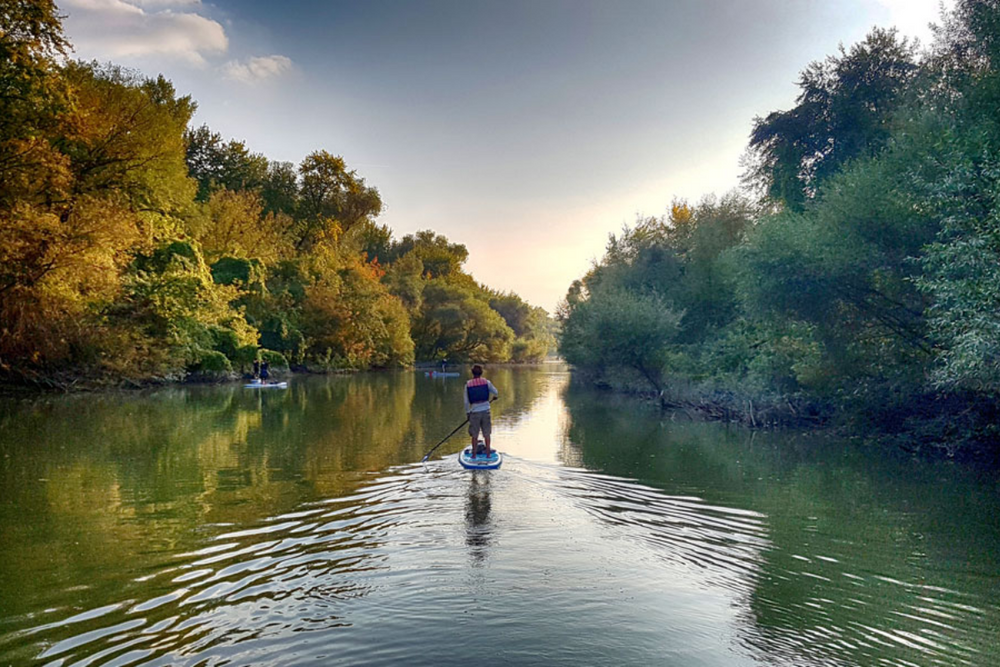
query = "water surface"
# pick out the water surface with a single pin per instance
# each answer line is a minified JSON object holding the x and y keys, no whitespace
{"x":222,"y":525}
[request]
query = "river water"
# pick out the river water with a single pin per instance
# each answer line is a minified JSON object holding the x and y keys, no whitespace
{"x":231,"y":526}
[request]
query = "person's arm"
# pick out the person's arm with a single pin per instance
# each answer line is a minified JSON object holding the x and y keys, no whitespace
{"x":493,"y":390}
{"x":465,"y":395}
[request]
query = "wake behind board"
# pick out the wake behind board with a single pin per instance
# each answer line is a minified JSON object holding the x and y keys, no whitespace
{"x":270,"y":385}
{"x":480,"y":462}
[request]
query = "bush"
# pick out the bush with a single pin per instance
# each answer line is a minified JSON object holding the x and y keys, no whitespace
{"x":211,"y":361}
{"x":244,"y":355}
{"x":225,"y":341}
{"x":274,"y":359}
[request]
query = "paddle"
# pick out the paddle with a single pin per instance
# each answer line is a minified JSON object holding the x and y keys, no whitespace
{"x":424,"y":460}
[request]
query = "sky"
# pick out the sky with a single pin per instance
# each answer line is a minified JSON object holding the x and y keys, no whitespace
{"x":527,"y":130}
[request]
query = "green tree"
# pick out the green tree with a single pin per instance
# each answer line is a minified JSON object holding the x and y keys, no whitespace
{"x":455,"y":323}
{"x":440,"y":257}
{"x":618,"y":328}
{"x":169,"y":296}
{"x":218,"y":164}
{"x":530,"y":325}
{"x":844,"y":110}
{"x":404,"y":278}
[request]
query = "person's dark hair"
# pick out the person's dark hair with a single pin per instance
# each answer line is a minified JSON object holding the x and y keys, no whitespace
{"x":477,"y":370}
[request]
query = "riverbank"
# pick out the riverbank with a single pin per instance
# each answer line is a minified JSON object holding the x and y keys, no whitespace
{"x":66,"y":382}
{"x":963,"y":427}
{"x":754,"y":410}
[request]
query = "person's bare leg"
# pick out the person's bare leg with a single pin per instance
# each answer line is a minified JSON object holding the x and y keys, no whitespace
{"x":487,"y":439}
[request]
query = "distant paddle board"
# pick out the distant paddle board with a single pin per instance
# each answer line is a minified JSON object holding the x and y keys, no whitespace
{"x":441,"y":374}
{"x":480,"y":462}
{"x":269,"y":385}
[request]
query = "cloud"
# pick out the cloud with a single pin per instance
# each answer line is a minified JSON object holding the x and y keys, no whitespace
{"x":256,"y":69}
{"x":117,"y":29}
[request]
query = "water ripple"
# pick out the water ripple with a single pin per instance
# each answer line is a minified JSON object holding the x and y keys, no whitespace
{"x":387,"y":574}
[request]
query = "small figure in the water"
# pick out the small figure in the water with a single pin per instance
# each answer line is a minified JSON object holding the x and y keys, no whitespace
{"x":264,"y":371}
{"x":256,"y":369}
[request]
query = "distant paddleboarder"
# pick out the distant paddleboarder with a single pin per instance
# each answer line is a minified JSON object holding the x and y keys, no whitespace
{"x":477,"y":405}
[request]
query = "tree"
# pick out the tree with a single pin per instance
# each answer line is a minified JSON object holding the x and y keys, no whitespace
{"x":530,"y":326}
{"x":117,"y":181}
{"x":404,"y":279}
{"x":280,"y":191}
{"x":126,"y":138}
{"x":237,"y":226}
{"x":33,"y":96}
{"x":618,"y":328}
{"x":455,"y":323}
{"x":170,"y":298}
{"x":333,"y":199}
{"x":440,"y":257}
{"x":217,"y":164}
{"x":844,"y":110}
{"x":349,"y":319}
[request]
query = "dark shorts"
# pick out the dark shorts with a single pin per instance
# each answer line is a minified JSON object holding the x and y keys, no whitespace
{"x":480,"y":421}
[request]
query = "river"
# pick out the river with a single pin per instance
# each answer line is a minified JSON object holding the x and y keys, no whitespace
{"x":217,"y":525}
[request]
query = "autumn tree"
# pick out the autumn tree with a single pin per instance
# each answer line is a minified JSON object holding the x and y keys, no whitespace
{"x":333,"y":199}
{"x":33,"y":96}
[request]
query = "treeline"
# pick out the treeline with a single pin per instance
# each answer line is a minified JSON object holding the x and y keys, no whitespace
{"x":856,"y":275}
{"x":134,"y":247}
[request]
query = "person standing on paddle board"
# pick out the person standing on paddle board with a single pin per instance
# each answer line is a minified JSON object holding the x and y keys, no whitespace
{"x":477,"y":405}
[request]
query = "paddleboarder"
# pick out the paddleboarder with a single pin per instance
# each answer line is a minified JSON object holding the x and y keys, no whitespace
{"x":477,"y":395}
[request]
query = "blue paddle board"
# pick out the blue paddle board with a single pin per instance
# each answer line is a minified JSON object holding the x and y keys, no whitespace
{"x":269,"y":385}
{"x":480,"y":462}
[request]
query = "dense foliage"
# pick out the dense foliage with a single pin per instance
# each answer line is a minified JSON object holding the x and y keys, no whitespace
{"x":134,"y":247}
{"x":860,"y":271}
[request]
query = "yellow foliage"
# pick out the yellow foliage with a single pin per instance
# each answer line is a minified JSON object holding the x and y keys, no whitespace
{"x":33,"y":172}
{"x":55,"y":266}
{"x":237,"y":227}
{"x":680,"y":213}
